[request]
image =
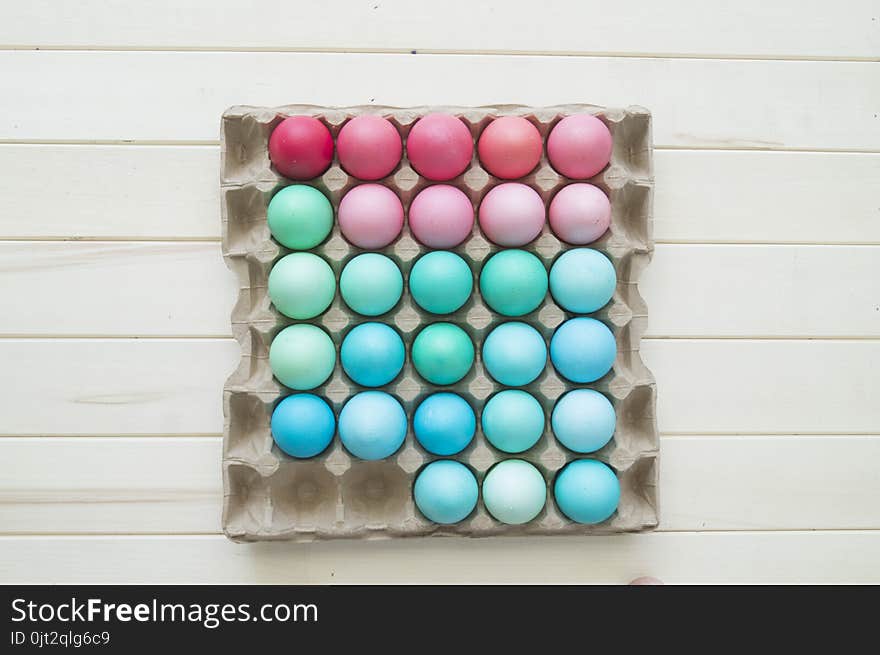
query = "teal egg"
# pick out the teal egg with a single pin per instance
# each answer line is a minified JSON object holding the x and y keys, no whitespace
{"x":513,"y":282}
{"x":446,"y":491}
{"x":513,"y":421}
{"x":371,"y":284}
{"x":302,"y":356}
{"x":514,"y":353}
{"x":583,"y":420}
{"x":300,"y":217}
{"x":443,"y":353}
{"x":301,"y":285}
{"x":514,"y":491}
{"x":441,"y":282}
{"x":582,"y":280}
{"x":587,"y":491}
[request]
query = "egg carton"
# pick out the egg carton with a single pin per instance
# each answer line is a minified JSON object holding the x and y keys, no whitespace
{"x":270,"y":495}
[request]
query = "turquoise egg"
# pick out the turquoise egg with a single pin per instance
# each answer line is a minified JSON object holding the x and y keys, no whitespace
{"x":371,"y":284}
{"x":300,"y":217}
{"x":587,"y":491}
{"x":583,"y":349}
{"x":441,"y":282}
{"x":301,"y":285}
{"x":372,"y":354}
{"x":514,"y":354}
{"x":302,"y":356}
{"x":372,"y":425}
{"x":583,"y":420}
{"x":582,"y":280}
{"x":443,"y":353}
{"x":513,"y":421}
{"x":303,"y":425}
{"x":514,"y":491}
{"x":446,"y":491}
{"x":444,"y":423}
{"x":513,"y":282}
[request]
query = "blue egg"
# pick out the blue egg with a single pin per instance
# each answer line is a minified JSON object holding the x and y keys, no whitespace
{"x":514,"y":353}
{"x":583,"y":349}
{"x":446,"y":491}
{"x":582,"y":280}
{"x":587,"y":491}
{"x":444,"y":423}
{"x":583,"y":420}
{"x":372,"y":425}
{"x":441,"y":282}
{"x":303,"y":425}
{"x":372,"y":354}
{"x":513,"y":421}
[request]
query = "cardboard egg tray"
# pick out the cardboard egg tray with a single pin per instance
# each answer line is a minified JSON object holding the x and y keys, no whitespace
{"x":269,"y":495}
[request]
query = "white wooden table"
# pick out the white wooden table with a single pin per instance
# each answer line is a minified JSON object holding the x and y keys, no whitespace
{"x":764,"y":292}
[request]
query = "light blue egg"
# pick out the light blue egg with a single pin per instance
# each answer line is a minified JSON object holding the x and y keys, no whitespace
{"x":441,"y":282}
{"x":513,"y":282}
{"x":513,"y":421}
{"x":303,"y":425}
{"x":582,"y":280}
{"x":583,"y":420}
{"x":446,"y":491}
{"x":583,"y":349}
{"x":514,"y":491}
{"x":371,"y":284}
{"x":444,"y":423}
{"x":372,"y":354}
{"x":514,"y":353}
{"x":587,"y":491}
{"x":372,"y":425}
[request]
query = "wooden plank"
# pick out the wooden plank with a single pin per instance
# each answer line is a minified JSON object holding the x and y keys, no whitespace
{"x":707,"y":558}
{"x":170,"y":485}
{"x":740,"y":104}
{"x":126,"y":191}
{"x":753,"y":28}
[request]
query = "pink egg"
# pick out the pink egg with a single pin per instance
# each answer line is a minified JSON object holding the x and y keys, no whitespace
{"x":439,"y":146}
{"x":580,"y":213}
{"x":579,"y":146}
{"x":370,"y":216}
{"x":441,"y":216}
{"x":510,"y":147}
{"x":301,"y":147}
{"x":369,"y":147}
{"x":512,"y":214}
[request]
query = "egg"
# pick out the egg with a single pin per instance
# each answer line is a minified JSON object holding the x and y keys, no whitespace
{"x":583,"y":349}
{"x":582,"y":280}
{"x":441,"y":282}
{"x":301,"y":147}
{"x":371,"y":284}
{"x":514,"y":491}
{"x":513,"y":421}
{"x":303,"y":425}
{"x":439,"y":147}
{"x":302,"y":356}
{"x":587,"y":491}
{"x":300,"y":217}
{"x":513,"y":282}
{"x":580,"y":213}
{"x":514,"y":354}
{"x":444,"y":423}
{"x":301,"y":285}
{"x":512,"y":214}
{"x":510,"y":147}
{"x":443,"y":353}
{"x":441,"y":216}
{"x":579,"y":146}
{"x":583,"y":420}
{"x":370,"y":216}
{"x":446,"y":491}
{"x":372,"y":354}
{"x":372,"y":425}
{"x":369,"y":147}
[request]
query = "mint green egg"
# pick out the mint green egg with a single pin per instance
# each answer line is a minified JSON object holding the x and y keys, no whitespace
{"x":371,"y":284}
{"x":514,"y":491}
{"x":441,"y":282}
{"x":513,"y":282}
{"x":300,"y":217}
{"x":443,"y":353}
{"x":302,"y":356}
{"x":301,"y":285}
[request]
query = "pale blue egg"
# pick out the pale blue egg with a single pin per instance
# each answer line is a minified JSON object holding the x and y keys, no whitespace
{"x":582,"y":280}
{"x":444,"y":423}
{"x":446,"y":491}
{"x":372,"y":425}
{"x":303,"y":425}
{"x":513,"y":421}
{"x":583,"y":349}
{"x":514,"y":491}
{"x":587,"y":491}
{"x":583,"y":420}
{"x":372,"y":354}
{"x":514,"y":353}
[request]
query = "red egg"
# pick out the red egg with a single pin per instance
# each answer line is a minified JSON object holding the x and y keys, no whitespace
{"x":439,"y":146}
{"x":510,"y":147}
{"x":369,"y":147}
{"x":301,"y":147}
{"x":579,"y":146}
